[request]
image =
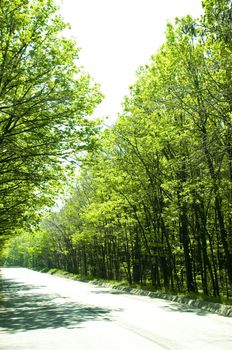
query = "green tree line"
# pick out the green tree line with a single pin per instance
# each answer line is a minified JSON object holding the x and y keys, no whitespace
{"x":45,"y":98}
{"x":153,"y":202}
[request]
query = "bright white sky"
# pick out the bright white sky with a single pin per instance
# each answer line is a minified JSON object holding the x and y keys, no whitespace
{"x":118,"y":36}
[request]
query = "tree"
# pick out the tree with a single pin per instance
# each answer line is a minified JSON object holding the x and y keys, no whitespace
{"x":45,"y":100}
{"x":153,"y":202}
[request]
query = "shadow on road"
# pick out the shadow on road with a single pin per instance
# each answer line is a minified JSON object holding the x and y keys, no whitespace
{"x":26,"y":307}
{"x":185,"y":308}
{"x":117,"y":292}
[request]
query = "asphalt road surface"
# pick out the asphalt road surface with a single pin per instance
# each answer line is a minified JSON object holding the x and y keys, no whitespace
{"x":43,"y":312}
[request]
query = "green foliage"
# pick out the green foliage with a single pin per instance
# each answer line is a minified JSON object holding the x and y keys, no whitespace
{"x":152,"y":204}
{"x":45,"y":99}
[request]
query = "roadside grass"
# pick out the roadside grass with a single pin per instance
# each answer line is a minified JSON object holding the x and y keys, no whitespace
{"x":149,"y":288}
{"x":211,"y":299}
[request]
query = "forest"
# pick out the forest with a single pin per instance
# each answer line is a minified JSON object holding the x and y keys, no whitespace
{"x":151,"y":201}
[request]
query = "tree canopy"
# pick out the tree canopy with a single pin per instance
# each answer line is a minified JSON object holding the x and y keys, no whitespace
{"x":45,"y":100}
{"x":153,"y":202}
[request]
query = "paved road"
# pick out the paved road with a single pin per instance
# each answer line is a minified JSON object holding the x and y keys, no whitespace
{"x":43,"y":312}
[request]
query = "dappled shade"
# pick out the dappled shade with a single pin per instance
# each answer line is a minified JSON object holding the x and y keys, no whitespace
{"x":26,"y":307}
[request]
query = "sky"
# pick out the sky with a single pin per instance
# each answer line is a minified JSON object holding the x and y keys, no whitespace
{"x":118,"y":36}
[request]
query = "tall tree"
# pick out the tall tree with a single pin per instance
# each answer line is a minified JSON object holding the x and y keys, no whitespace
{"x":153,"y":202}
{"x":44,"y":103}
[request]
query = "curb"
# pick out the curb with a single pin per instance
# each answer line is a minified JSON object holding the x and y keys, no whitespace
{"x":216,"y":308}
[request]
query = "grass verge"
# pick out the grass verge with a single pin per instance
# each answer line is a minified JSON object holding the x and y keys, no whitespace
{"x":196,"y":296}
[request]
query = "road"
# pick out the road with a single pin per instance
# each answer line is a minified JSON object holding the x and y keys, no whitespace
{"x":43,"y":312}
